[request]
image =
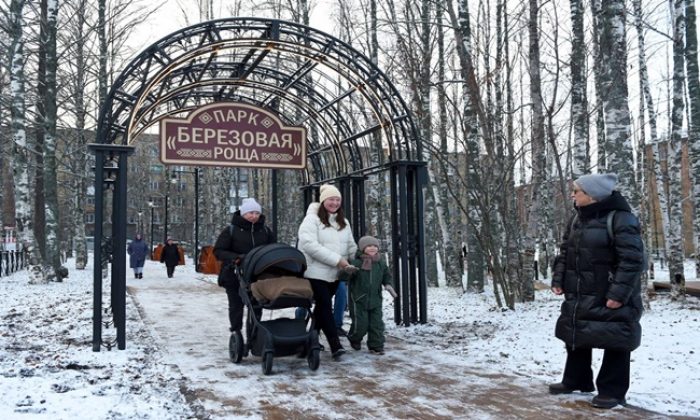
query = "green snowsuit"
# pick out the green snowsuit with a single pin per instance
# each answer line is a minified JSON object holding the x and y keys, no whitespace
{"x":365,"y":289}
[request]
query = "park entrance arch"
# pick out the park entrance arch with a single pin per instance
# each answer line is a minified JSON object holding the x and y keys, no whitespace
{"x":358,"y":125}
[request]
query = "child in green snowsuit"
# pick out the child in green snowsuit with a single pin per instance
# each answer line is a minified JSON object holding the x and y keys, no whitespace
{"x":365,"y":288}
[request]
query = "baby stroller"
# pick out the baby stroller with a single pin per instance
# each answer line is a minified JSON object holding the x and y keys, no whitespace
{"x":271,"y":278}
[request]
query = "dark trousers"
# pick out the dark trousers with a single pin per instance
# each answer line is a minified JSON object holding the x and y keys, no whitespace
{"x":323,"y":310}
{"x":613,"y":378}
{"x":171,"y":269}
{"x":235,"y":307}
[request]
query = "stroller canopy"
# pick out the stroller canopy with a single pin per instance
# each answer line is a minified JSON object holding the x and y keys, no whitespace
{"x":273,"y":258}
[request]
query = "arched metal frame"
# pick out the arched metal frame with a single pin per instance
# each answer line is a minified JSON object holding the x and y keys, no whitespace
{"x":308,"y":78}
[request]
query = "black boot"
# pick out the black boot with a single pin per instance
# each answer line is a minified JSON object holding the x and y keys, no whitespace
{"x":337,"y":349}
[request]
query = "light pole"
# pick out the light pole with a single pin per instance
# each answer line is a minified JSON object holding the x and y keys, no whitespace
{"x":152,"y":205}
{"x":165,"y":229}
{"x":140,"y":213}
{"x":196,"y":213}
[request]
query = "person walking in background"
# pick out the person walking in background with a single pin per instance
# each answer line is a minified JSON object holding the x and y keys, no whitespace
{"x":326,"y":240}
{"x":246,"y":231}
{"x":365,"y":286}
{"x":170,"y":255}
{"x":137,"y":251}
{"x":598,"y":271}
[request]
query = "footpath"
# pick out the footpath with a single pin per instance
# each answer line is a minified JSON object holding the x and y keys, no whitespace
{"x":188,"y":320}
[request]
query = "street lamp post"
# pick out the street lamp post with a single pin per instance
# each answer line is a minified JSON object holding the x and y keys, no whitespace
{"x":165,"y":230}
{"x":196,"y":213}
{"x":153,"y":206}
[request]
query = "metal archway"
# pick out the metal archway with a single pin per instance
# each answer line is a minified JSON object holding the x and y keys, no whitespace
{"x":308,"y":78}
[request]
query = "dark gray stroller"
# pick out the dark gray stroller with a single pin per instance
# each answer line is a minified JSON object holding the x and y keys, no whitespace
{"x":281,"y":336}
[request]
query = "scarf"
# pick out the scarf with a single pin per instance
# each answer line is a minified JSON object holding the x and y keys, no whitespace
{"x":367,"y":260}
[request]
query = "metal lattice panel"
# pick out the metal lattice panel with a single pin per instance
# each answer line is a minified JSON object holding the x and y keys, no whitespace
{"x":305,"y":76}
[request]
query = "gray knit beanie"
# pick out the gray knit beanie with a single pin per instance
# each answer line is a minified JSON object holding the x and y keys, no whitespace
{"x":598,"y":186}
{"x":366,"y":241}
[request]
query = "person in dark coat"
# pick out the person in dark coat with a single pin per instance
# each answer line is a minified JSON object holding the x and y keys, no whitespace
{"x":137,"y":251}
{"x":247,"y":231}
{"x":599,"y":277}
{"x":170,"y":255}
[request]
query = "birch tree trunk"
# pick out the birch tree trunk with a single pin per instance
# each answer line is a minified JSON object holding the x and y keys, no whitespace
{"x":377,"y":185}
{"x":470,"y":103}
{"x":512,"y":228}
{"x":79,"y":163}
{"x":579,"y":101}
{"x":675,"y":234}
{"x":537,"y":139}
{"x":613,"y":53}
{"x":53,"y":256}
{"x":21,"y":158}
{"x":598,"y":75}
{"x":693,"y":72}
{"x":451,"y":246}
{"x":103,"y":54}
{"x":646,"y":101}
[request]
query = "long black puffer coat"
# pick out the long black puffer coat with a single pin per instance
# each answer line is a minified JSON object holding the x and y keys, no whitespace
{"x":234,"y":243}
{"x":592,"y":268}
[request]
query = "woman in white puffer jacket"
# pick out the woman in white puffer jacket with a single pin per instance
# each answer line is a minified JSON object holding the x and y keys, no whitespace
{"x":326,"y":240}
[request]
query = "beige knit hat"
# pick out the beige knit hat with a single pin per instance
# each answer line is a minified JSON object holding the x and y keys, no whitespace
{"x":328,"y":191}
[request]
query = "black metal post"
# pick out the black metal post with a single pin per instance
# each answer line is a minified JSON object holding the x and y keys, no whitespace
{"x":119,"y":253}
{"x":196,"y":219}
{"x":273,"y":215}
{"x":152,"y":239}
{"x":97,"y":254}
{"x":118,"y":242}
{"x":165,"y":230}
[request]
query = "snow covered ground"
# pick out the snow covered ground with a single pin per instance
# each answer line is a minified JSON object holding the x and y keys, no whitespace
{"x":49,"y":371}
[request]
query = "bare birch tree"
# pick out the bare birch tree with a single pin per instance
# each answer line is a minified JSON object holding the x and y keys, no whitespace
{"x":537,"y":139}
{"x":53,"y":257}
{"x":579,"y":100}
{"x":22,"y":148}
{"x":675,"y":234}
{"x":693,"y":74}
{"x":613,"y":56}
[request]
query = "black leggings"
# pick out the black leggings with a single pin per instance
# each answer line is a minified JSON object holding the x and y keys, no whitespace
{"x":323,"y":310}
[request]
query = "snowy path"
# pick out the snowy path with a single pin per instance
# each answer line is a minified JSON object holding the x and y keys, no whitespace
{"x":187,"y":316}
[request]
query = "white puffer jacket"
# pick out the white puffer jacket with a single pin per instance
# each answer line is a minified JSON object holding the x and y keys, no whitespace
{"x":324,"y":246}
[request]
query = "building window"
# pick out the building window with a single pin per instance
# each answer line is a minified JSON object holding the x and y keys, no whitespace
{"x":89,"y":217}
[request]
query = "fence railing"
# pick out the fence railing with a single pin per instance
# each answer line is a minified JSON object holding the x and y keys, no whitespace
{"x":12,"y":261}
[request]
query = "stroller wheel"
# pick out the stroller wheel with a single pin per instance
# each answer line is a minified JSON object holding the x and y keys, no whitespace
{"x":267,"y":363}
{"x":314,"y":359}
{"x":235,"y":347}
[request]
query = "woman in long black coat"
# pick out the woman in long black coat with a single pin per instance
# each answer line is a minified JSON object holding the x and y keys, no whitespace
{"x":247,"y":231}
{"x":599,"y":276}
{"x":170,"y":255}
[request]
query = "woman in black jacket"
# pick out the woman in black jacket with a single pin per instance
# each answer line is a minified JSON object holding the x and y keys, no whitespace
{"x":170,"y":255}
{"x":599,"y":274}
{"x":247,"y":230}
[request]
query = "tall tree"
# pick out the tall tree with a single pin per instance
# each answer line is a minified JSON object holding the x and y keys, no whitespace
{"x":579,"y":100}
{"x":21,"y":159}
{"x":78,"y":71}
{"x":693,"y":71}
{"x":537,"y":139}
{"x":600,"y":93}
{"x":613,"y":56}
{"x":675,"y":234}
{"x":53,"y":257}
{"x":452,"y":247}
